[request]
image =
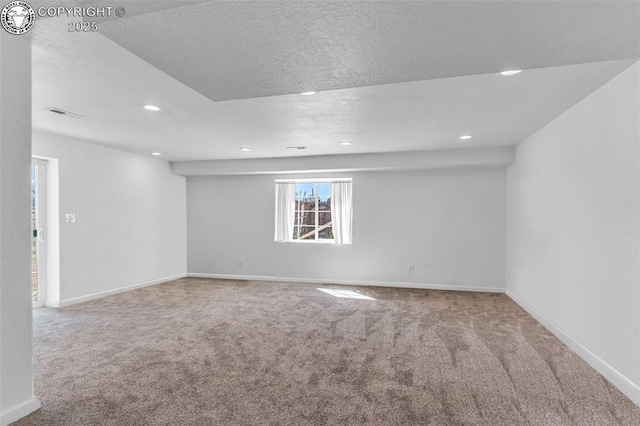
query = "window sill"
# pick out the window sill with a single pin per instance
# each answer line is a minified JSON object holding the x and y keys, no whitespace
{"x":309,"y":241}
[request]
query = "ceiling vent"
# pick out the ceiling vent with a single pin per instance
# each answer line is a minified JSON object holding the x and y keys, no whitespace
{"x":60,"y":111}
{"x":297,"y":147}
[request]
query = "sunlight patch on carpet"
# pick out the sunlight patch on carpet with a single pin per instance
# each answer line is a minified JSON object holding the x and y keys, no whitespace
{"x":347,"y":294}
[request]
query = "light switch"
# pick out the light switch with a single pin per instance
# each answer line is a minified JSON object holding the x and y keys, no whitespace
{"x":71,"y":217}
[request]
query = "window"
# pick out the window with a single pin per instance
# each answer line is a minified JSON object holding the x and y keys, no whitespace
{"x":313,"y":211}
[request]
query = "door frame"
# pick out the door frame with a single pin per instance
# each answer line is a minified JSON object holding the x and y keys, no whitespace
{"x":41,"y":221}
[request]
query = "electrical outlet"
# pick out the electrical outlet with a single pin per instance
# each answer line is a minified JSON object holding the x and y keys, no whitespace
{"x":71,"y":217}
{"x":239,"y":263}
{"x":411,"y":269}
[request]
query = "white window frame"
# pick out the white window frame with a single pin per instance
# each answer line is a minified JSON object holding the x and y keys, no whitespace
{"x":316,"y":212}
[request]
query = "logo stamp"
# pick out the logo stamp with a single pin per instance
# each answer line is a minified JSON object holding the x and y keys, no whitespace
{"x":17,"y":17}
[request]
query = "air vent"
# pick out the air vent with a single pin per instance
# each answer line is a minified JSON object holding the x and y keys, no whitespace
{"x":60,"y":111}
{"x":297,"y":147}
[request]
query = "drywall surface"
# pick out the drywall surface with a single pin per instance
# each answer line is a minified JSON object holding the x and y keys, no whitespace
{"x":449,"y":224}
{"x":573,"y":225}
{"x":130,"y":217}
{"x":16,"y":371}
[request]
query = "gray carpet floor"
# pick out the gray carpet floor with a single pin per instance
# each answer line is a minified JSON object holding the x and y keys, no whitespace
{"x":213,"y":352}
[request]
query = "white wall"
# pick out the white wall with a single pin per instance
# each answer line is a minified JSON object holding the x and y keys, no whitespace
{"x":448,"y":223}
{"x":16,"y":371}
{"x":573,"y":228}
{"x":130,"y":212}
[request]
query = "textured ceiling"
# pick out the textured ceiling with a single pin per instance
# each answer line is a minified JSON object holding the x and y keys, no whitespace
{"x":234,"y":50}
{"x":93,"y":76}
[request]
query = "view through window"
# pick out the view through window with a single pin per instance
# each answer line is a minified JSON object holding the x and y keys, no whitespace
{"x":313,"y":211}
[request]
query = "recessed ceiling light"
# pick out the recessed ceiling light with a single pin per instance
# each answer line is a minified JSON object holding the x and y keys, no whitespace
{"x":152,"y":108}
{"x":346,"y":143}
{"x":157,"y":154}
{"x":308,"y":93}
{"x":510,"y":72}
{"x":245,"y":149}
{"x":465,"y":137}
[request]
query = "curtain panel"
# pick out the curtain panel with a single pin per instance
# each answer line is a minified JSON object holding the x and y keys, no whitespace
{"x":285,"y":205}
{"x":342,"y":212}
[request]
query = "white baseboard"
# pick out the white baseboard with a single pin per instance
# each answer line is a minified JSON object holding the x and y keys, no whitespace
{"x":17,"y":412}
{"x":365,"y":283}
{"x":98,"y":295}
{"x":626,"y":386}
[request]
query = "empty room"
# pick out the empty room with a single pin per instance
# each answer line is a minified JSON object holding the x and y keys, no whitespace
{"x":320,"y":213}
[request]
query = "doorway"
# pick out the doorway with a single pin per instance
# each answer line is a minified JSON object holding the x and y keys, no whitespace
{"x":38,"y":221}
